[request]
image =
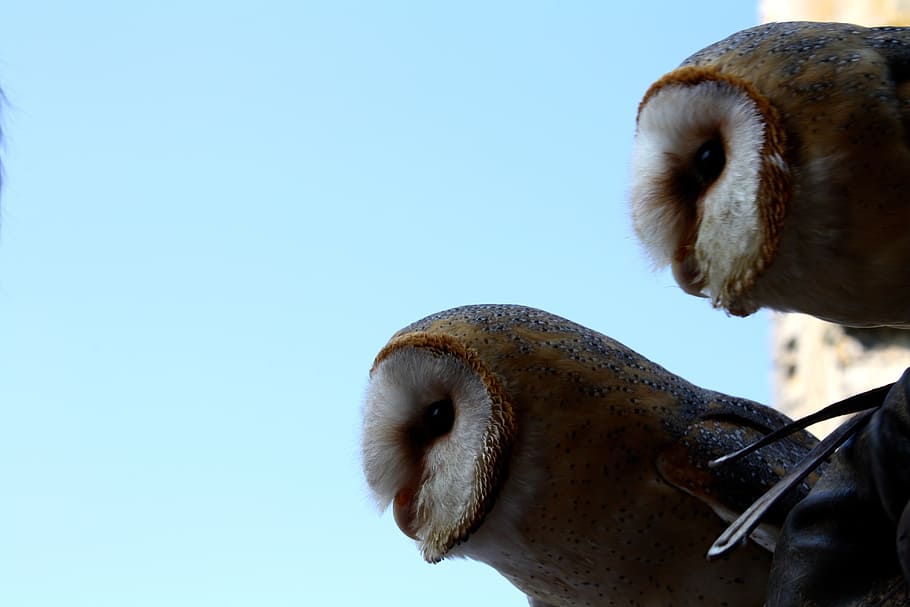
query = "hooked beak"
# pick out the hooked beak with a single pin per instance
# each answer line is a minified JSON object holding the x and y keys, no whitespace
{"x":403,"y":507}
{"x":687,"y":274}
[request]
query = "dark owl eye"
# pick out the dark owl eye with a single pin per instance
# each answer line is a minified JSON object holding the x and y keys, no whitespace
{"x":710,"y":160}
{"x":438,"y":418}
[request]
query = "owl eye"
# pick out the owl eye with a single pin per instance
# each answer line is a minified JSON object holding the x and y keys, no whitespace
{"x":438,"y":418}
{"x":709,"y":161}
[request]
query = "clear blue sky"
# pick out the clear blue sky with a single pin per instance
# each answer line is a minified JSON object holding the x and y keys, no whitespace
{"x":215,"y":214}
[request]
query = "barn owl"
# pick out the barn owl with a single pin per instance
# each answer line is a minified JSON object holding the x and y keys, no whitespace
{"x":772,"y":169}
{"x":566,"y":461}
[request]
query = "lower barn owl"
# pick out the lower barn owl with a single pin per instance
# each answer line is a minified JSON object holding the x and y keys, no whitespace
{"x":566,"y":461}
{"x":772,"y":169}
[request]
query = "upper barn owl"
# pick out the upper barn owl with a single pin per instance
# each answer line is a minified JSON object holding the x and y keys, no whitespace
{"x":772,"y":169}
{"x":566,"y":461}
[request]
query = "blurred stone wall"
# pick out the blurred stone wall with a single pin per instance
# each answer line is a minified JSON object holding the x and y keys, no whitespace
{"x":862,"y":12}
{"x":816,"y":363}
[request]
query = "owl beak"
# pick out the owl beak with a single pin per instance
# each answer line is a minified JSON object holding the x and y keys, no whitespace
{"x":405,"y":515}
{"x":688,"y":275}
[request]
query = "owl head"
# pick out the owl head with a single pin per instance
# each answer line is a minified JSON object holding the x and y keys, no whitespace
{"x":771,"y":170}
{"x":710,"y":182}
{"x":437,"y":430}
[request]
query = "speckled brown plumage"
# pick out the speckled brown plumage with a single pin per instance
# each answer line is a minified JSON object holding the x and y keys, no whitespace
{"x":606,"y":497}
